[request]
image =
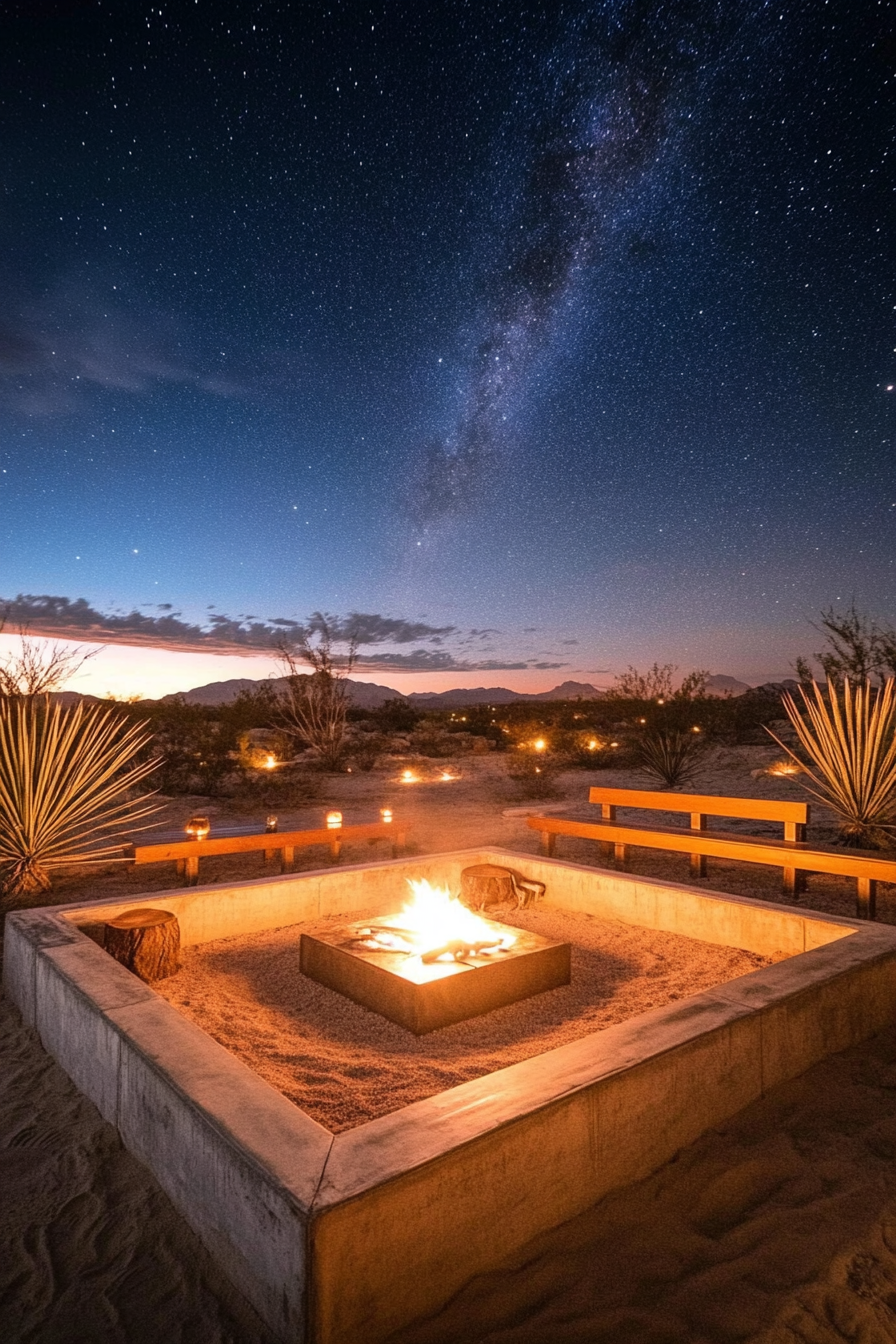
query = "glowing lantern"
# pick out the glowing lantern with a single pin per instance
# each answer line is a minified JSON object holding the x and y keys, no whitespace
{"x":197,"y":828}
{"x":270,"y":822}
{"x":539,"y":744}
{"x":334,"y":821}
{"x":270,"y":762}
{"x":408,"y":777}
{"x":385,"y":814}
{"x":593,"y":744}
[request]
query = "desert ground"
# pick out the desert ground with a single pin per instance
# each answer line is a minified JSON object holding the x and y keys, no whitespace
{"x":779,"y":1227}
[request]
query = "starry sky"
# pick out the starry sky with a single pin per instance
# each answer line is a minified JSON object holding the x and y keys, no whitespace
{"x":548,"y":337}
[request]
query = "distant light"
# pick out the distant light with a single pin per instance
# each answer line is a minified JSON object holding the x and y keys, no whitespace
{"x":334,"y":821}
{"x":385,"y":814}
{"x":539,"y":744}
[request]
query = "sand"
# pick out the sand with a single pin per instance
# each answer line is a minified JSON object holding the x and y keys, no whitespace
{"x":344,"y":1065}
{"x":779,"y":1228}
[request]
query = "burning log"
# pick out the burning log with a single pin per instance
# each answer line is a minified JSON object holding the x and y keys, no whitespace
{"x":459,"y":948}
{"x":146,"y":941}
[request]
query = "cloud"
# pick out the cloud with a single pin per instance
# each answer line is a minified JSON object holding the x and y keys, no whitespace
{"x":56,"y":349}
{"x":74,"y":618}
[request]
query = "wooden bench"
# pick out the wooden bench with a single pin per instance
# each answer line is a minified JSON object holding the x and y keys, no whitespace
{"x":792,"y":854}
{"x":187,"y":853}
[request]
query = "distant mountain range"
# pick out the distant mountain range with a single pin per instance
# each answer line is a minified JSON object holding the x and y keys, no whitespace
{"x":367,"y":695}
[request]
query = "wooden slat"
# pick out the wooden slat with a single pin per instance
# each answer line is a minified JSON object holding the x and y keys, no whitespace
{"x":746,"y":849}
{"x":756,"y":809}
{"x":272,"y":840}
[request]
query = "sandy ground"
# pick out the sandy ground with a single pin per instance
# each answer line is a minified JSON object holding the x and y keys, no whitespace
{"x":779,"y":1228}
{"x":344,"y":1065}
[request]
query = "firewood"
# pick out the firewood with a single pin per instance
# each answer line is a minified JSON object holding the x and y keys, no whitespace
{"x":146,"y":941}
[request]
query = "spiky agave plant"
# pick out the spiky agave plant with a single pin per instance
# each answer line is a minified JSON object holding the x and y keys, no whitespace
{"x":669,"y":755}
{"x":848,"y":735}
{"x":65,"y":781}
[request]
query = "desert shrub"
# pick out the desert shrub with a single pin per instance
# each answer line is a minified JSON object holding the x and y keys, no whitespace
{"x":429,"y":738}
{"x":847,"y":733}
{"x":260,"y":791}
{"x":67,"y":781}
{"x":670,"y":756}
{"x":395,"y":716}
{"x":365,"y":750}
{"x":533,"y":777}
{"x":314,"y":706}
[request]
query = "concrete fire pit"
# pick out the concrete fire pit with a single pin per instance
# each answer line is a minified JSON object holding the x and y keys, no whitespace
{"x":344,"y":1238}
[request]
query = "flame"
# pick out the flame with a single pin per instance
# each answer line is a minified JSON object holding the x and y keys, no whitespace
{"x":408,"y":777}
{"x":784,"y":768}
{"x":435,"y":919}
{"x":270,"y":763}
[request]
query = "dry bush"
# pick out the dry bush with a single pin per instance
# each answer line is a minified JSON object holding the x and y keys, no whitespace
{"x":66,"y":781}
{"x":669,"y":755}
{"x":847,"y":732}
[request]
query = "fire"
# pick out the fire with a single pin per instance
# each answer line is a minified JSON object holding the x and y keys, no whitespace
{"x":781,"y":769}
{"x":435,"y":926}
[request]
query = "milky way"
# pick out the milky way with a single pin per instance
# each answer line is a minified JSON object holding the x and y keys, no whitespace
{"x":604,"y":122}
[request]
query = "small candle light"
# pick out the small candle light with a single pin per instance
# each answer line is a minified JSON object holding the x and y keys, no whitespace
{"x":539,"y":744}
{"x":408,"y":776}
{"x":197,"y":828}
{"x":270,"y":822}
{"x":385,"y":814}
{"x":270,"y":762}
{"x":334,"y":821}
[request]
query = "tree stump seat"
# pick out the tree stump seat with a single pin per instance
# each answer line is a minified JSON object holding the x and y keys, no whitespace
{"x":486,"y":884}
{"x":145,"y":941}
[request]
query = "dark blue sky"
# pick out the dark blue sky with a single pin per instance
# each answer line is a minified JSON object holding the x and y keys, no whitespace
{"x":569,"y":326}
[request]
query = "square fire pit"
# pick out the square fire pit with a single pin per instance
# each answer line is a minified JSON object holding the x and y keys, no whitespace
{"x":347,"y":1238}
{"x":422,"y":995}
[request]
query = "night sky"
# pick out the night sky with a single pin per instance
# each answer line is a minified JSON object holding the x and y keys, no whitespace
{"x":551,"y":337}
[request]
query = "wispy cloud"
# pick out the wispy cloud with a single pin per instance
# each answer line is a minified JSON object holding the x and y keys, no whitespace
{"x":56,"y":349}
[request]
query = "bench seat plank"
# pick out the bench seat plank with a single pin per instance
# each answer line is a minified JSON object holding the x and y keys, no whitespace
{"x":187,"y":853}
{"x":793,"y":856}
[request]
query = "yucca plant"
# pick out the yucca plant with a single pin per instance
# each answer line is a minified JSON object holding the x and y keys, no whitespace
{"x":66,"y":776}
{"x":669,"y":755}
{"x":847,"y":732}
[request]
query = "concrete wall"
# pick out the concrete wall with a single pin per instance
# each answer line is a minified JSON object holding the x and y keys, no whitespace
{"x":420,"y":1201}
{"x":238,"y":1160}
{"x":397,"y":1214}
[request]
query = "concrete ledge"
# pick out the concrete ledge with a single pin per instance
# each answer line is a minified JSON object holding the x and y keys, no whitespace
{"x":343,"y":1240}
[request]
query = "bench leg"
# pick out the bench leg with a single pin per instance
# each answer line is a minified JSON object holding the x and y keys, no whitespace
{"x":398,"y":844}
{"x":698,"y":865}
{"x":335,"y":848}
{"x":181,"y":868}
{"x":606,"y":853}
{"x":269,"y":855}
{"x":621,"y":857}
{"x":866,"y":898}
{"x":191,"y":870}
{"x":287,"y":859}
{"x":547,"y":844}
